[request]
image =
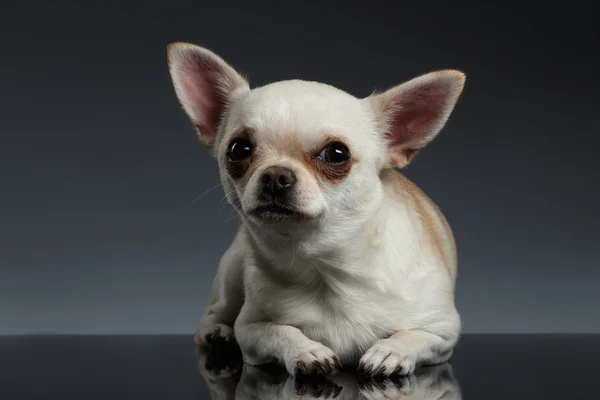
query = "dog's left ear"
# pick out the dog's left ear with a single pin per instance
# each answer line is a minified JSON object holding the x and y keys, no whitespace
{"x":411,"y":114}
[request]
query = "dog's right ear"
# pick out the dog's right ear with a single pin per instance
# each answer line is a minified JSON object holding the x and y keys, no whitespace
{"x":204,"y":84}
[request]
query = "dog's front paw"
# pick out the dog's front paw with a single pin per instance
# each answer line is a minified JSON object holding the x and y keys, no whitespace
{"x":315,"y":358}
{"x":207,"y":333}
{"x":387,"y":357}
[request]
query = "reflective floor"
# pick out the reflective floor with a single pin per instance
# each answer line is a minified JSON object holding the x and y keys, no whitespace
{"x":168,"y":367}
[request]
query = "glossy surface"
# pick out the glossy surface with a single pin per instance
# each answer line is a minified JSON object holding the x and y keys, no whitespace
{"x":168,"y":367}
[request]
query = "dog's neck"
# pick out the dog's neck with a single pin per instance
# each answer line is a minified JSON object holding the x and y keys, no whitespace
{"x":336,"y":246}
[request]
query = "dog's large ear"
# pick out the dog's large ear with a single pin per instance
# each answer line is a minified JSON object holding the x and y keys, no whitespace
{"x":411,"y":114}
{"x":204,"y":84}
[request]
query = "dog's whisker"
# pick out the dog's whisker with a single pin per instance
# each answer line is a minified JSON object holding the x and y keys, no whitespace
{"x":231,"y":212}
{"x":203,"y":194}
{"x":225,"y":196}
{"x":288,"y":238}
{"x":230,"y":217}
{"x":223,"y":203}
{"x":293,"y":259}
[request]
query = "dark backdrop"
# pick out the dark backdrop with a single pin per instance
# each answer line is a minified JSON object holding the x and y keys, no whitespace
{"x":98,"y":164}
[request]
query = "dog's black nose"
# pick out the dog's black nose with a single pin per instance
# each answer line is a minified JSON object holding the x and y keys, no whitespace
{"x":277,"y":179}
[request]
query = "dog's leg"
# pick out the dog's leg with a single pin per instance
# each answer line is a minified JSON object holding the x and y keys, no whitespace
{"x":402,"y":352}
{"x":227,"y":296}
{"x":265,"y":342}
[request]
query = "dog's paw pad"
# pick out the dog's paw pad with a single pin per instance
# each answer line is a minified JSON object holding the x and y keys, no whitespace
{"x":387,"y":357}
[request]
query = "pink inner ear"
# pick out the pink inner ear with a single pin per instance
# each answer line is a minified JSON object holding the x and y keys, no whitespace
{"x":415,"y":114}
{"x":199,"y":100}
{"x":201,"y":82}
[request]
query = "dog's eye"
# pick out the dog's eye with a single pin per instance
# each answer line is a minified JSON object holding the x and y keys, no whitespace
{"x":335,"y":153}
{"x":239,"y":150}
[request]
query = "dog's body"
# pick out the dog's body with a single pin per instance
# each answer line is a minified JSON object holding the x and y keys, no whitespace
{"x":339,"y":259}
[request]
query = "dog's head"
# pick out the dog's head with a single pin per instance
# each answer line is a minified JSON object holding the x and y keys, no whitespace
{"x":298,"y":152}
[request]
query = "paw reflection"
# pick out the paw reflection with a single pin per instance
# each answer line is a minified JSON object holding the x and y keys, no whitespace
{"x":390,"y":388}
{"x":229,"y":379}
{"x":316,"y":387}
{"x":221,"y":365}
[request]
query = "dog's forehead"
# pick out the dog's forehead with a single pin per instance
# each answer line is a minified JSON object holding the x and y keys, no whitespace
{"x":306,"y":109}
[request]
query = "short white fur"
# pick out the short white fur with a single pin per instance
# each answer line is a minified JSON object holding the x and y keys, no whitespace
{"x":364,"y":280}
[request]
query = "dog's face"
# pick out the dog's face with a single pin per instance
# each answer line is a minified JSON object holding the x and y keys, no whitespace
{"x":297,"y":152}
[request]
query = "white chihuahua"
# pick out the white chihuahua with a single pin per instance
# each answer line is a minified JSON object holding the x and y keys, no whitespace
{"x":339,"y":258}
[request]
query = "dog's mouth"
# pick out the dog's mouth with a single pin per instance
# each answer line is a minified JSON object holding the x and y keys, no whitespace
{"x":277,"y":212}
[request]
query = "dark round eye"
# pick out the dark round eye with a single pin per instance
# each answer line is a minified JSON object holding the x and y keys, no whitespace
{"x":335,"y":153}
{"x":239,"y":150}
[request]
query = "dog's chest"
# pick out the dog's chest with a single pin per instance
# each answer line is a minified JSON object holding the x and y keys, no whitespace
{"x":347,"y":320}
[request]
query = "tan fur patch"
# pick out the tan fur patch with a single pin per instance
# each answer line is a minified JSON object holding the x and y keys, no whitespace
{"x":206,"y":140}
{"x":435,"y":226}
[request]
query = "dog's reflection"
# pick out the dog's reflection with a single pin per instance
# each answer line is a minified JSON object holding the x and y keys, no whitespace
{"x":228,"y":379}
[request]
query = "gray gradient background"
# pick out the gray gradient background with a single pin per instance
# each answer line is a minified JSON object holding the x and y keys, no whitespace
{"x":98,"y":163}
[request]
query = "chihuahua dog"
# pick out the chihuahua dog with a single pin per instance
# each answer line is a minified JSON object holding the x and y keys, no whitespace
{"x":339,"y":258}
